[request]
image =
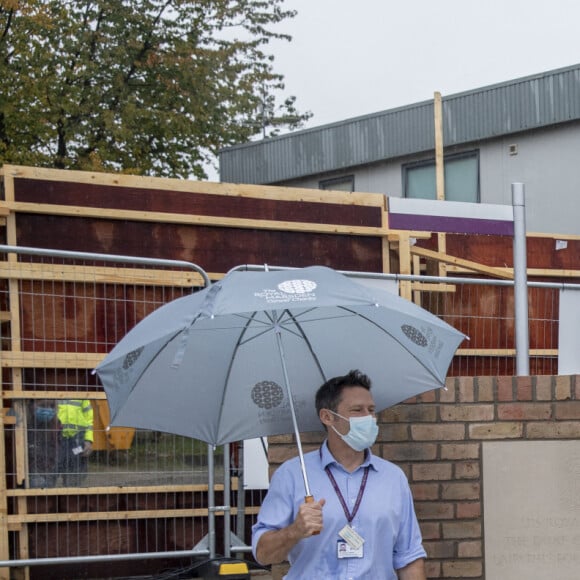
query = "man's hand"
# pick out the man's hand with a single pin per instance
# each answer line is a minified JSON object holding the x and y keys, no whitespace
{"x":273,"y":546}
{"x":88,"y":449}
{"x":309,"y":518}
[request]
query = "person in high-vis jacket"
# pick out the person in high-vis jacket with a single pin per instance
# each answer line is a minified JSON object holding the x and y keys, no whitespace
{"x":75,"y":440}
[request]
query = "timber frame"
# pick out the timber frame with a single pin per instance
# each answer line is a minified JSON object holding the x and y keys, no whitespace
{"x":347,"y":231}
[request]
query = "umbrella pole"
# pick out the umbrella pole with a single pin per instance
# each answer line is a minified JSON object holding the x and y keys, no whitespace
{"x":293,"y":413}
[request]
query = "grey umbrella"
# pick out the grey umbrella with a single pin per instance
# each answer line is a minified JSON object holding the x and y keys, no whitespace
{"x":244,"y":357}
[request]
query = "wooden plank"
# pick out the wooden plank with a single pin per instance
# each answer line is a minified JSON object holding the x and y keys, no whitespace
{"x":433,"y":287}
{"x":120,"y":515}
{"x":50,"y":360}
{"x":205,"y":187}
{"x":482,"y":269}
{"x":102,"y":275}
{"x":116,"y":489}
{"x":7,"y":420}
{"x":538,"y":272}
{"x":53,"y":395}
{"x":537,"y":352}
{"x":189,"y":219}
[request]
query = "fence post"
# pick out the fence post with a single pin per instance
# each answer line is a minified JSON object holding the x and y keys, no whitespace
{"x":520,"y":281}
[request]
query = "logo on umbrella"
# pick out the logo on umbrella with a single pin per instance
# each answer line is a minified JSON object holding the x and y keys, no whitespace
{"x":267,"y":394}
{"x":298,"y":290}
{"x":414,"y":335}
{"x":297,"y":286}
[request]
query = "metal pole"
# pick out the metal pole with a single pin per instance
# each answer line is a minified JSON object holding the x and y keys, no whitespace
{"x":520,"y":281}
{"x":227,"y":501}
{"x":293,"y":413}
{"x":211,"y":500}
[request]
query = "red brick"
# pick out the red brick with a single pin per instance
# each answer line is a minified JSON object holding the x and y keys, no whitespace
{"x":425,"y":491}
{"x":468,"y":510}
{"x":467,"y":413}
{"x":544,"y":388}
{"x":438,"y":432}
{"x":415,"y":414}
{"x":461,"y":530}
{"x":496,"y":431}
{"x":505,"y":389}
{"x":462,"y":569}
{"x":576,"y":383}
{"x":430,"y":530}
{"x":460,"y":450}
{"x":410,"y":451}
{"x":390,"y":432}
{"x":467,"y":470}
{"x":427,"y":397}
{"x":485,"y":389}
{"x":439,"y":550}
{"x":553,"y":430}
{"x":524,"y":388}
{"x":563,"y":388}
{"x":431,"y":471}
{"x":390,"y":415}
{"x":469,"y":549}
{"x":567,"y":410}
{"x":448,"y":394}
{"x":434,"y":510}
{"x":466,"y":389}
{"x":524,"y":411}
{"x":460,"y":491}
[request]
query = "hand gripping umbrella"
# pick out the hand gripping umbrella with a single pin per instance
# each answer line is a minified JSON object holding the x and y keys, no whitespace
{"x":244,"y":357}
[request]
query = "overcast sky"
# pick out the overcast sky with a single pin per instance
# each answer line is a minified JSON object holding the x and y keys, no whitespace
{"x":354,"y":57}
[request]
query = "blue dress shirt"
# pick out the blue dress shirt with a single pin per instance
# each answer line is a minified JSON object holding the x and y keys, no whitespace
{"x":385,"y":519}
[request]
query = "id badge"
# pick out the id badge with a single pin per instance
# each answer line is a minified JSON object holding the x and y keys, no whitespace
{"x":343,"y":550}
{"x":351,"y":537}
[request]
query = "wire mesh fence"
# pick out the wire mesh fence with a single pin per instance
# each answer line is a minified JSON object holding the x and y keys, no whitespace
{"x":146,"y":492}
{"x":131,"y":491}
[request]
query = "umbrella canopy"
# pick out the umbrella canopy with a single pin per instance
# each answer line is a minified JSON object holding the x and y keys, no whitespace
{"x":218,"y":365}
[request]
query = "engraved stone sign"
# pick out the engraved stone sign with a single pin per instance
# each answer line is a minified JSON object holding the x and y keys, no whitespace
{"x":532,"y":510}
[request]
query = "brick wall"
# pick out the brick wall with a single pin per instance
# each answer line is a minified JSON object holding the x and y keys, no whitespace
{"x":437,"y":440}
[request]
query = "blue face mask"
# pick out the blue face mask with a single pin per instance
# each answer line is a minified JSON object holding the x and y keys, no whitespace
{"x":362,"y":433}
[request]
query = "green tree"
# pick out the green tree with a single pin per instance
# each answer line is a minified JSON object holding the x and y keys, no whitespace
{"x":150,"y":87}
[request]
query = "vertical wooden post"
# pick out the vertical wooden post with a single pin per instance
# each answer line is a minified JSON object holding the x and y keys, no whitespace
{"x":4,"y":552}
{"x":439,"y":169}
{"x":19,"y":406}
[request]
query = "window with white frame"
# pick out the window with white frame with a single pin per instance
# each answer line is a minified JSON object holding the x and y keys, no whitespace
{"x":461,"y":178}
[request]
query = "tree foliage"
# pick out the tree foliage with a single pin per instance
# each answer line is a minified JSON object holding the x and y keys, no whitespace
{"x":151,"y":87}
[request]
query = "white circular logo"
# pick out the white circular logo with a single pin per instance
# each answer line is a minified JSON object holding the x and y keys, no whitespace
{"x":297,"y":286}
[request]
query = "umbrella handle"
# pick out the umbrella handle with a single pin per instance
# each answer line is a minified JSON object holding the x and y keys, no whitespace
{"x":310,"y":499}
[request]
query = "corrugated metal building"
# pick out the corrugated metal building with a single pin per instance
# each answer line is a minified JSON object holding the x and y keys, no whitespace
{"x":527,"y":130}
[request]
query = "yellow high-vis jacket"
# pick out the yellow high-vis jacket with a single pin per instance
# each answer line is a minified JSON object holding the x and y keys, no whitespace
{"x":75,"y":416}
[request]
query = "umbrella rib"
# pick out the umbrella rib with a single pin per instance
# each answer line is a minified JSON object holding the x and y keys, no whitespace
{"x":302,"y":334}
{"x":239,"y":342}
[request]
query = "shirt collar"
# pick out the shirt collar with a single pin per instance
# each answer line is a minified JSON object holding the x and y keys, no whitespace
{"x":326,"y":458}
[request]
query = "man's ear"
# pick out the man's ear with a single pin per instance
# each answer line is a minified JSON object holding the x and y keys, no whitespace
{"x":325,"y":417}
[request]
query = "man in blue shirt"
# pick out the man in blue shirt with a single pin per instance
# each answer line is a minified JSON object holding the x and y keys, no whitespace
{"x":363,"y":524}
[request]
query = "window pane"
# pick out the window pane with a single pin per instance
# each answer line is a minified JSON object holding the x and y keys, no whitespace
{"x":345,"y":183}
{"x":421,"y":182}
{"x":461,"y":179}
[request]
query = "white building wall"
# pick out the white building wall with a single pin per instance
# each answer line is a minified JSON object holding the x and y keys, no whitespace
{"x":547,"y":162}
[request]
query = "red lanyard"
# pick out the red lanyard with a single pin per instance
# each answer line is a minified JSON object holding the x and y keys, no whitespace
{"x":349,"y":516}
